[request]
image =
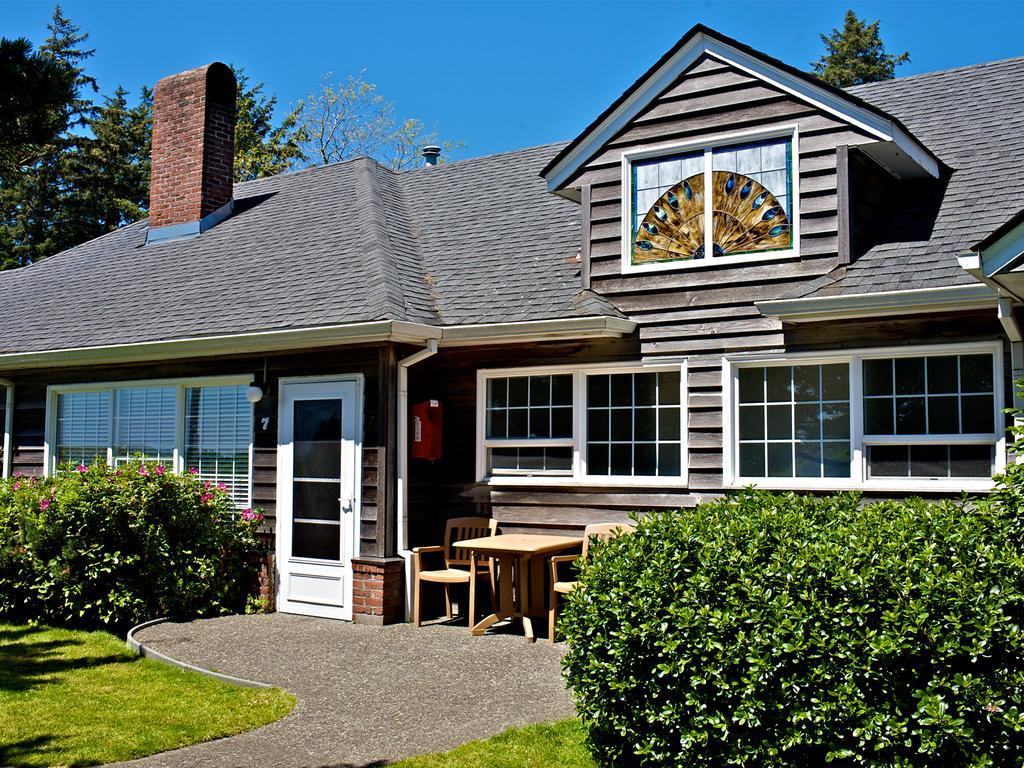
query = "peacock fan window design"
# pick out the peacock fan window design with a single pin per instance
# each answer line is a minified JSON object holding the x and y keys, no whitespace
{"x":750,"y":194}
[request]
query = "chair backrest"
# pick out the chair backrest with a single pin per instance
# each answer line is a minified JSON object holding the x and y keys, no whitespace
{"x":604,"y":531}
{"x":462,"y":528}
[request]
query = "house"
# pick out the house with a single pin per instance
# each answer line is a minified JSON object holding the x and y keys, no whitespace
{"x":734,"y":275}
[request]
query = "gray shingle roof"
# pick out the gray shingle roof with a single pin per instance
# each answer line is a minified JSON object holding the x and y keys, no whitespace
{"x":469,"y":242}
{"x":972,"y":119}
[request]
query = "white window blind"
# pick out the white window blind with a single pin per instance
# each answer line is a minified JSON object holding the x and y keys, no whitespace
{"x":83,"y":427}
{"x":179,"y":424}
{"x":145,"y":421}
{"x":218,"y":426}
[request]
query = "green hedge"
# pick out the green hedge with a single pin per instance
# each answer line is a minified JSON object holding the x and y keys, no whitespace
{"x":107,"y":548}
{"x":785,"y":630}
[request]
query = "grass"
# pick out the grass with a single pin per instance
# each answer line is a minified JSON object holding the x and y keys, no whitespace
{"x":558,"y":745}
{"x":81,"y":698}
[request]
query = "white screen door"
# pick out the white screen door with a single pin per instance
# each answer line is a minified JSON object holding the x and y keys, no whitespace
{"x":317,"y":496}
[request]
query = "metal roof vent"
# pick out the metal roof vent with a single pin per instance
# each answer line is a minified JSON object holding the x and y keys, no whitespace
{"x":431,"y":154}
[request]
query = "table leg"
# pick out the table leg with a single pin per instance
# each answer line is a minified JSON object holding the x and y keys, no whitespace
{"x":505,"y":607}
{"x":523,"y":584}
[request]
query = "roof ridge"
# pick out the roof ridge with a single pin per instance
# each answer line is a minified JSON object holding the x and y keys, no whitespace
{"x":936,"y":72}
{"x":379,"y":252}
{"x":478,"y":158}
{"x":416,"y":245}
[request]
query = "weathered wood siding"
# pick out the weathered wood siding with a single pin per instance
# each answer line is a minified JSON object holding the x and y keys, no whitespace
{"x":448,"y":488}
{"x":701,"y":313}
{"x":30,"y":414}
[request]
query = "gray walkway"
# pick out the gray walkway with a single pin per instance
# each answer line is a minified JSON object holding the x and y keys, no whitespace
{"x":366,"y":695}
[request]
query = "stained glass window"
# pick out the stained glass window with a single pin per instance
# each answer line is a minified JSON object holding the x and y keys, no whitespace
{"x":750,"y":188}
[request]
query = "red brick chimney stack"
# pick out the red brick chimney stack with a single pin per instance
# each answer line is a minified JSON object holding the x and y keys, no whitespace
{"x":193,"y":151}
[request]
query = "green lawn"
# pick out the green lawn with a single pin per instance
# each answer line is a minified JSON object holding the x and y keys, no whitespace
{"x":81,"y":698}
{"x":558,"y":745}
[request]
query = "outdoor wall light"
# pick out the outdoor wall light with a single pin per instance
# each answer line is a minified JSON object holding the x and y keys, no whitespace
{"x":253,"y":394}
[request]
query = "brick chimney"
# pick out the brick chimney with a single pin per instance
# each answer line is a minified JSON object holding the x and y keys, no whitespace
{"x":193,"y":151}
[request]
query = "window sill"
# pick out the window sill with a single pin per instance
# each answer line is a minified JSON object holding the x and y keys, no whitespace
{"x":910,"y":485}
{"x":721,"y":262}
{"x":672,"y":483}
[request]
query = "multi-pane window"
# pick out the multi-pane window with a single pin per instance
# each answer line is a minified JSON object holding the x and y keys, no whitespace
{"x":521,"y":412}
{"x":794,"y":421}
{"x":591,"y":423}
{"x":726,"y":201}
{"x":931,"y":415}
{"x":634,"y":424}
{"x":208,"y":428}
{"x":927,"y":405}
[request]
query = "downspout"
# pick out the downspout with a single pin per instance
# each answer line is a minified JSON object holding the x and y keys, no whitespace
{"x":402,"y":496}
{"x":5,"y":467}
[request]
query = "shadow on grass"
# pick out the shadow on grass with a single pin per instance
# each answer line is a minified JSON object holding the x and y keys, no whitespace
{"x":28,"y":661}
{"x":16,"y":752}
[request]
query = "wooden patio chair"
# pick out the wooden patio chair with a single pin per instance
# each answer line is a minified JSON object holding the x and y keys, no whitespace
{"x":456,"y":561}
{"x":596,"y":531}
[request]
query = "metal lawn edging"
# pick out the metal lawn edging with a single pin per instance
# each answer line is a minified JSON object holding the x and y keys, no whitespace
{"x":143,"y":651}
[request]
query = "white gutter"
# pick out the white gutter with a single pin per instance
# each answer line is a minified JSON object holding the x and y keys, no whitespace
{"x":5,"y":466}
{"x":882,"y":303}
{"x":402,"y":498}
{"x":334,"y":335}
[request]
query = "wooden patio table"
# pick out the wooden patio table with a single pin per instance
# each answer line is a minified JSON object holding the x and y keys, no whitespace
{"x":516,"y":598}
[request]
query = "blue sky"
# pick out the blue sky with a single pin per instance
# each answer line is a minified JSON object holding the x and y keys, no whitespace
{"x":496,"y":75}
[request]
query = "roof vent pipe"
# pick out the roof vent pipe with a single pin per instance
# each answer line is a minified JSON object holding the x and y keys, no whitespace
{"x":431,"y":154}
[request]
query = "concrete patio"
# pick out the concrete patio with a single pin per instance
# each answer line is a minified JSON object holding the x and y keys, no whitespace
{"x":366,"y":695}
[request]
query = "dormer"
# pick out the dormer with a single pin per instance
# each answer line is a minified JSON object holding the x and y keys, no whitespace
{"x":722,"y":156}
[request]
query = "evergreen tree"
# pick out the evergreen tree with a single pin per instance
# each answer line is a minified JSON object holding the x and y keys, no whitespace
{"x":856,"y":54}
{"x":35,"y":96}
{"x":261,"y":148}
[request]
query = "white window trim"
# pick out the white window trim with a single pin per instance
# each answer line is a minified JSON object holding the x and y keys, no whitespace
{"x":178,"y":462}
{"x":790,"y":131}
{"x":578,"y":476}
{"x":858,"y":466}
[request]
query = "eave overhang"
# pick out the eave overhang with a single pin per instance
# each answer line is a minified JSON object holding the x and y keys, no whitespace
{"x":895,"y":148}
{"x":998,"y":260}
{"x":814,"y":309}
{"x":597,"y":326}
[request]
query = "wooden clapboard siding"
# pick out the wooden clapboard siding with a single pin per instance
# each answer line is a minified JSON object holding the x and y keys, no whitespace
{"x":30,"y":412}
{"x":700,"y":313}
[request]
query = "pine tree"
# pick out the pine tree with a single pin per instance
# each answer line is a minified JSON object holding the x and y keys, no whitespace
{"x":856,"y":54}
{"x":261,"y":149}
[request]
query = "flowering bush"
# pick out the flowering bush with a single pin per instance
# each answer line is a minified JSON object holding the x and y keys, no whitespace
{"x":104,"y":547}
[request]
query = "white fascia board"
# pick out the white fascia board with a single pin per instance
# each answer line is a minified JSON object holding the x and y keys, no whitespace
{"x":874,"y":124}
{"x":883,"y":303}
{"x":337,"y":335}
{"x":1004,"y":253}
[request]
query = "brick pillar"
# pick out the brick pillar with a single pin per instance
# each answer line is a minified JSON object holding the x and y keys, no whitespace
{"x":266,"y":583}
{"x":377,"y":590}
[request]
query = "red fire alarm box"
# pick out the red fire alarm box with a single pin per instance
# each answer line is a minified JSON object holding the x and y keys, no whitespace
{"x":426,"y":430}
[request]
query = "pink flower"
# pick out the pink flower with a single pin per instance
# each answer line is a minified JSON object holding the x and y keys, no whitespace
{"x":19,"y":474}
{"x":143,"y":471}
{"x":16,"y":486}
{"x":250,"y":516}
{"x":205,"y":498}
{"x":222,"y":486}
{"x":82,"y":469}
{"x":207,"y":484}
{"x":160,"y":469}
{"x":44,"y":504}
{"x":193,"y":470}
